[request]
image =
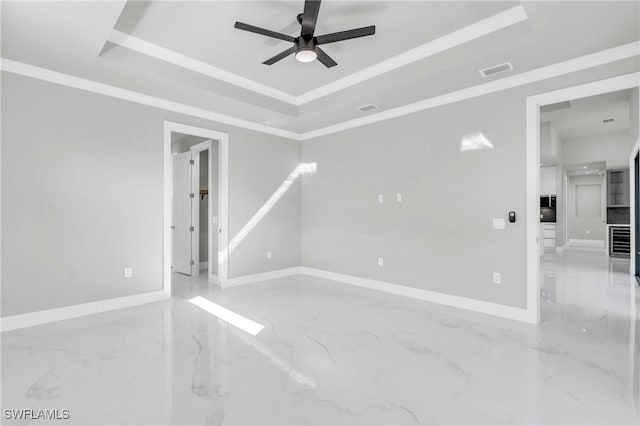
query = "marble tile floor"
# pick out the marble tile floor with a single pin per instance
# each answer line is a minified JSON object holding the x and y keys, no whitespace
{"x":337,"y":354}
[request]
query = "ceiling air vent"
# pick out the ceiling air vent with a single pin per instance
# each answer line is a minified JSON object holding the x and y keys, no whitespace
{"x":367,"y":108}
{"x":608,"y":120}
{"x":488,"y":72}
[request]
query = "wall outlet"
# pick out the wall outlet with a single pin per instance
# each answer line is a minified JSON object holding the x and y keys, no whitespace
{"x":128,"y":272}
{"x":268,"y":254}
{"x":399,"y":197}
{"x":381,"y":198}
{"x":380,"y":261}
{"x":498,"y":223}
{"x":497,"y":278}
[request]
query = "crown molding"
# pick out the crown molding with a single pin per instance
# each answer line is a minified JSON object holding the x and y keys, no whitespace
{"x":471,"y":32}
{"x":456,"y":38}
{"x":572,"y":65}
{"x":137,"y":97}
{"x":150,"y":49}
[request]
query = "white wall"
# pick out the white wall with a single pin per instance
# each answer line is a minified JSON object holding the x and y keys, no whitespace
{"x":82,"y":196}
{"x":614,"y":148}
{"x":440,"y":237}
{"x":634,"y":116}
{"x":548,"y":185}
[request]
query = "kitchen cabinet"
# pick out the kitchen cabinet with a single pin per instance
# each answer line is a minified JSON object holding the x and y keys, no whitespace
{"x":547,"y":238}
{"x":618,"y":188}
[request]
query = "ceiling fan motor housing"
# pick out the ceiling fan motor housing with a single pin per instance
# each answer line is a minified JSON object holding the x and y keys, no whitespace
{"x":305,"y":43}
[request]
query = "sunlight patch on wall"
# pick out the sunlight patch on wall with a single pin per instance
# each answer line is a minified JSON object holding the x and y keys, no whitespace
{"x":302,"y":169}
{"x":474,"y":142}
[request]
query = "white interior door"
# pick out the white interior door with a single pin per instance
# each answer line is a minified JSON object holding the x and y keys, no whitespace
{"x":182,"y":214}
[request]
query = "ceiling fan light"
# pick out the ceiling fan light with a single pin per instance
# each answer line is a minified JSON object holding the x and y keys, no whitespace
{"x":306,"y":55}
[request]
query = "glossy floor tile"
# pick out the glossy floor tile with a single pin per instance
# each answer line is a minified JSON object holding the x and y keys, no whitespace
{"x":336,"y":354}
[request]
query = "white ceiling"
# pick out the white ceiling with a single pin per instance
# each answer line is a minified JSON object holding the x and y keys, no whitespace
{"x":585,"y":116}
{"x":72,"y":37}
{"x":204,"y":31}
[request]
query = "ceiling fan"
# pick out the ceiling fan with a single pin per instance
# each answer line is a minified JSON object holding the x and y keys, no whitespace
{"x":305,"y":47}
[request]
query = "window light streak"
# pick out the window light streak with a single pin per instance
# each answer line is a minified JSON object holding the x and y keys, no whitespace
{"x":475,"y":141}
{"x":283,"y":365}
{"x":228,"y":316}
{"x":302,"y":169}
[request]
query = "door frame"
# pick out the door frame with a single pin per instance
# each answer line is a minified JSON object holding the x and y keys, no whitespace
{"x":634,"y":205}
{"x":198,"y":148}
{"x":533,"y":104}
{"x":223,"y":197}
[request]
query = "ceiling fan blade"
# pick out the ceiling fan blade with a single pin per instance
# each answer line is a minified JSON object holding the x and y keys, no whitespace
{"x":310,"y":17}
{"x":293,"y":27}
{"x":346,"y":35}
{"x":280,"y":56}
{"x":325,"y":59}
{"x":264,"y":32}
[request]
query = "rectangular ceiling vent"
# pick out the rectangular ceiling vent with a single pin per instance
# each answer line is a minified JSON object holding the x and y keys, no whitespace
{"x":488,"y":72}
{"x":608,"y":120}
{"x":367,"y":108}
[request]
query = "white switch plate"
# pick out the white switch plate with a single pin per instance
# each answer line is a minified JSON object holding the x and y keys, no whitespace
{"x":128,"y":272}
{"x":498,"y":223}
{"x":380,"y":261}
{"x":497,"y":278}
{"x":381,"y":198}
{"x":399,"y":197}
{"x":268,"y":254}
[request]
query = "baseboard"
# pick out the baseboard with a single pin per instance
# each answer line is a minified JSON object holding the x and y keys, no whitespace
{"x":504,"y":311}
{"x":575,"y":242}
{"x":67,"y":312}
{"x":248,"y":279}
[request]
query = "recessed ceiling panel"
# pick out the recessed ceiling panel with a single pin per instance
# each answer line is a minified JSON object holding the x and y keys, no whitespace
{"x":204,"y":31}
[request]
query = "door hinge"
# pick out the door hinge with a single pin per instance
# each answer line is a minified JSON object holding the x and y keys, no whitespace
{"x":191,"y":229}
{"x":192,"y":262}
{"x":192,"y":162}
{"x":192,"y":195}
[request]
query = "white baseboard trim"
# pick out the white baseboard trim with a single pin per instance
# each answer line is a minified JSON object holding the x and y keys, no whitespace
{"x":67,"y":312}
{"x":575,"y":242}
{"x":510,"y":312}
{"x":248,"y":279}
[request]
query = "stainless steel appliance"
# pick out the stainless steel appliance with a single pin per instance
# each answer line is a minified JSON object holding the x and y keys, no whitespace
{"x":619,"y":241}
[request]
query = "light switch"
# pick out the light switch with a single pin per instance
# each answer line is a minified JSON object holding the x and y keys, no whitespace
{"x":399,"y":197}
{"x":381,"y":198}
{"x":380,"y":261}
{"x":268,"y":254}
{"x":498,"y":223}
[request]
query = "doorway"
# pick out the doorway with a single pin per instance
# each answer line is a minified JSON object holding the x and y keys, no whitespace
{"x":196,"y":203}
{"x":533,"y":119}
